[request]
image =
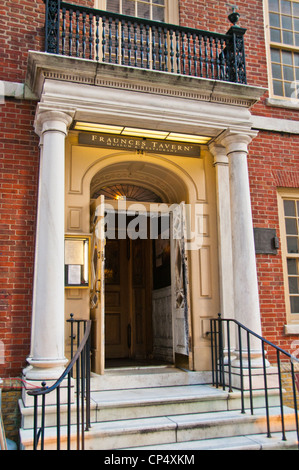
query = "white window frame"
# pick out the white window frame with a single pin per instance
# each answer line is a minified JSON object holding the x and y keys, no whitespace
{"x":172,"y":10}
{"x":292,"y":319}
{"x":289,"y":101}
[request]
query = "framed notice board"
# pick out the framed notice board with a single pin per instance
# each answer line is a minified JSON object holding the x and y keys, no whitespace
{"x":76,"y":261}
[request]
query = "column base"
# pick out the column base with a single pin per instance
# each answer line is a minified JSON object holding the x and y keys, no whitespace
{"x":257,"y":378}
{"x":44,"y":369}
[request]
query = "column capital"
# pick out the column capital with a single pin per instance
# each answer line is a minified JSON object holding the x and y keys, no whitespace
{"x":219,"y":153}
{"x":52,"y":121}
{"x":236,"y":141}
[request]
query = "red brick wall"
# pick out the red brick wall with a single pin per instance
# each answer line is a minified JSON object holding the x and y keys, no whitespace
{"x":18,"y":192}
{"x":273,"y":162}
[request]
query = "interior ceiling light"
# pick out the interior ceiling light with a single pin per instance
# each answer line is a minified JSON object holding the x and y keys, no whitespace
{"x":136,"y":132}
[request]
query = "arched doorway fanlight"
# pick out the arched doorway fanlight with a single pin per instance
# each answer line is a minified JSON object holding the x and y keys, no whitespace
{"x":129,"y":191}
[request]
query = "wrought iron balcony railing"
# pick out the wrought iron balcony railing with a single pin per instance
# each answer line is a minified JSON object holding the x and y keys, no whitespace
{"x":101,"y":36}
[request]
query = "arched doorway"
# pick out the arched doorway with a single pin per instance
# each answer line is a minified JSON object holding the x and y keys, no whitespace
{"x":142,"y":268}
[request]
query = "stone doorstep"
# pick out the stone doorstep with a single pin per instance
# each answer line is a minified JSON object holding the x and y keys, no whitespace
{"x":251,"y":442}
{"x":171,"y":430}
{"x":143,"y":377}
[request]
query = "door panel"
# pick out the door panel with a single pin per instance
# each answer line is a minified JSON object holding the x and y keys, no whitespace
{"x":97,"y":286}
{"x":116,"y":300}
{"x":180,"y":284}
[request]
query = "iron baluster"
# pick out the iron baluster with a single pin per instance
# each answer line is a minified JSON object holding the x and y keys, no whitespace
{"x":110,"y":39}
{"x":97,"y":37}
{"x":135,"y":44}
{"x":90,"y":35}
{"x":129,"y":43}
{"x":154,"y":56}
{"x":141,"y":46}
{"x":160,"y":47}
{"x":249,"y":372}
{"x":77,"y":32}
{"x":281,"y":396}
{"x":116,"y":41}
{"x":103,"y":38}
{"x":83,"y":34}
{"x":147,"y":29}
{"x":171,"y":51}
{"x":63,"y":33}
{"x":71,"y":32}
{"x":189,"y":52}
{"x":165,"y":50}
{"x":194,"y":55}
{"x":177,"y":38}
{"x":241,"y":369}
{"x":183,"y":61}
{"x":200,"y":55}
{"x":266,"y":390}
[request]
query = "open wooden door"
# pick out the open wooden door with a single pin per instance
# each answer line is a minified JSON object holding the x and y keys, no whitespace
{"x":180,"y":285}
{"x":97,"y":294}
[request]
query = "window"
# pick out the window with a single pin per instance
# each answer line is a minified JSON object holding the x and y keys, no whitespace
{"x":158,"y":10}
{"x":289,"y":217}
{"x":283,"y":17}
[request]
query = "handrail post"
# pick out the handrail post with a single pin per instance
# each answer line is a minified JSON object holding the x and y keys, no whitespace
{"x":52,"y":26}
{"x":236,"y":55}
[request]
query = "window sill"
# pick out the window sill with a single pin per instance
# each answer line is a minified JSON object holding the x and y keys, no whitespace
{"x":282,"y":103}
{"x":291,"y":329}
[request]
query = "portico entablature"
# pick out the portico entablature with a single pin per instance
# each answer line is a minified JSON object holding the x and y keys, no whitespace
{"x":112,"y":94}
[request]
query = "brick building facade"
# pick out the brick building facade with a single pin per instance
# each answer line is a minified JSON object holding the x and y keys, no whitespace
{"x":273,"y":163}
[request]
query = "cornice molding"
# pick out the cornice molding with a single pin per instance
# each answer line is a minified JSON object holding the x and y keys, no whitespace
{"x":42,"y":66}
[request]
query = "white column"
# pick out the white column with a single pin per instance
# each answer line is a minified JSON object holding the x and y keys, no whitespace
{"x":246,"y":297}
{"x":47,"y":357}
{"x":224,"y":231}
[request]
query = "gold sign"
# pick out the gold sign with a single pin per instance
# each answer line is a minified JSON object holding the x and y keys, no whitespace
{"x":140,"y":144}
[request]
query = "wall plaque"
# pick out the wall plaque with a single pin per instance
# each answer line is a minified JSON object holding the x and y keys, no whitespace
{"x":266,"y":241}
{"x":140,"y":144}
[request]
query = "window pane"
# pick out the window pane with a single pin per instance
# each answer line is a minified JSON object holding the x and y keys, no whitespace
{"x":288,"y":73}
{"x":296,"y":25}
{"x":273,"y":5}
{"x":143,"y":10}
{"x":128,"y":7}
{"x":292,"y":266}
{"x":289,"y":208}
{"x":274,"y":20}
{"x":296,"y":39}
{"x":275,"y":55}
{"x":296,"y":9}
{"x":287,"y":37}
{"x":291,"y":227}
{"x":285,"y":7}
{"x":294,"y":304}
{"x":292,"y":243}
{"x":276,"y":71}
{"x":277,"y":88}
{"x":113,"y":5}
{"x":275,"y":35}
{"x":293,"y":285}
{"x":286,"y":22}
{"x":158,"y":14}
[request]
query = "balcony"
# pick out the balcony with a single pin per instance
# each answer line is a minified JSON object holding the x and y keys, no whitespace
{"x":110,"y":38}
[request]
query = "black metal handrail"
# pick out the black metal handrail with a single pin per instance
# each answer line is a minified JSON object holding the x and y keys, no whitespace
{"x":79,"y":367}
{"x":107,"y":37}
{"x":222,"y":368}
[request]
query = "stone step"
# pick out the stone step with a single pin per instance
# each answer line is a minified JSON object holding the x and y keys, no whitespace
{"x":110,"y":405}
{"x":250,"y":442}
{"x":143,"y":377}
{"x":172,"y":430}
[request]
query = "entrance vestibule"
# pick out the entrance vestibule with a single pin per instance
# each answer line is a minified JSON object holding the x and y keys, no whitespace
{"x":139,"y":286}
